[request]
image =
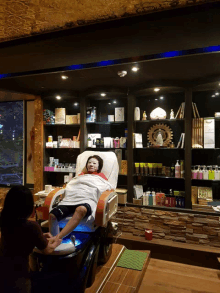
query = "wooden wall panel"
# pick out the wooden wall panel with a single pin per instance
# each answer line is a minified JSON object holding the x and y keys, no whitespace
{"x":38,"y":145}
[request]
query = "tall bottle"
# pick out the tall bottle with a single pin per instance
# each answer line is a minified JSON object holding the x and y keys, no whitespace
{"x":211,"y":173}
{"x":150,"y":199}
{"x":205,"y":173}
{"x":154,"y":197}
{"x":172,"y":170}
{"x":200,"y":173}
{"x":217,"y":177}
{"x":177,"y":169}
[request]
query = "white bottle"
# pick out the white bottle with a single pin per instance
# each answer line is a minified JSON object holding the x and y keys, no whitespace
{"x":217,"y":177}
{"x":154,"y":197}
{"x":137,"y":114}
{"x":145,"y":199}
{"x":205,"y":173}
{"x":177,"y":169}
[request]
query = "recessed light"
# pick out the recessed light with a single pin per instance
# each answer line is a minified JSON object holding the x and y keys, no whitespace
{"x":213,"y":96}
{"x":76,"y":104}
{"x":64,"y":77}
{"x":161,"y":98}
{"x":217,"y":94}
{"x":135,"y":68}
{"x":122,"y":73}
{"x":156,"y":89}
{"x":156,"y":99}
{"x":109,"y":103}
{"x":103,"y":94}
{"x":58,"y":97}
{"x":115,"y":102}
{"x":219,"y":84}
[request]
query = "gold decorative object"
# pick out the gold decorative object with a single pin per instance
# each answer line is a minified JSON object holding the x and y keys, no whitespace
{"x":164,"y":130}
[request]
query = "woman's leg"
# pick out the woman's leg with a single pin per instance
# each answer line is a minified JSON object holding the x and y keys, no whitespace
{"x":53,"y":225}
{"x":78,"y":215}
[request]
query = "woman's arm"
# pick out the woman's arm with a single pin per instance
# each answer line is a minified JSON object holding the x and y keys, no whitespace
{"x":53,"y":242}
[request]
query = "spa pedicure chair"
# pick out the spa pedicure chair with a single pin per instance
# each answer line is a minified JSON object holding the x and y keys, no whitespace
{"x":73,"y":263}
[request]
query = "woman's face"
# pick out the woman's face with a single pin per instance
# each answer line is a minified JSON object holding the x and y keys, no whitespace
{"x":93,"y":165}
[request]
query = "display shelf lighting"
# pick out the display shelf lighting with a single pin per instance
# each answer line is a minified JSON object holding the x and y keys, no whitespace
{"x":64,"y":77}
{"x":115,"y":102}
{"x":217,"y":93}
{"x":76,"y":104}
{"x":213,"y":96}
{"x":103,"y":94}
{"x":161,"y":97}
{"x":58,"y":97}
{"x":156,"y":99}
{"x":135,"y":68}
{"x":156,"y":89}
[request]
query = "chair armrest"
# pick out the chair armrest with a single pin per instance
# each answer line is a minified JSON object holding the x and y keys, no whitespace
{"x":106,"y":208}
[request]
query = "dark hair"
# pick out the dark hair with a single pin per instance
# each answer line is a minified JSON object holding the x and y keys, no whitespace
{"x":18,"y":204}
{"x":100,"y":160}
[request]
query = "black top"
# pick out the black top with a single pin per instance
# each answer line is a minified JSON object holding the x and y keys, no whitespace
{"x":17,"y":242}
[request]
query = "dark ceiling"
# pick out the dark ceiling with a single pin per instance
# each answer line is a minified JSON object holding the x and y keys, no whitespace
{"x":172,"y":72}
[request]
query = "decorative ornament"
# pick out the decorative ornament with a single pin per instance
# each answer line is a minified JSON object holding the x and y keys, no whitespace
{"x":171,"y":114}
{"x":137,"y":115}
{"x":158,"y":113}
{"x":144,"y":116}
{"x":165,"y":132}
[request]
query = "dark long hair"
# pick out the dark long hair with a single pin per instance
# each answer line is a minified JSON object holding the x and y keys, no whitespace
{"x":18,"y":205}
{"x":100,"y":160}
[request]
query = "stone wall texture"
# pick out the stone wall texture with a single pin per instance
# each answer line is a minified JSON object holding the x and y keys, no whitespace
{"x":19,"y":18}
{"x":180,"y":227}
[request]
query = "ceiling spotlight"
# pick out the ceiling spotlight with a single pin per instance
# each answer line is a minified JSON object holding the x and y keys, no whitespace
{"x":115,"y":102}
{"x":217,"y":94}
{"x":135,"y":68}
{"x":76,"y":104}
{"x":109,"y":103}
{"x":156,"y":89}
{"x":58,"y":97}
{"x":161,"y":98}
{"x":103,"y":94}
{"x":122,"y":73}
{"x":213,"y":96}
{"x":156,"y":99}
{"x":64,"y":77}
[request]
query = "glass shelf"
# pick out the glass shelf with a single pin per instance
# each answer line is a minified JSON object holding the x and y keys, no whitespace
{"x":211,"y":180}
{"x":105,"y":149}
{"x":159,"y":120}
{"x":107,"y":122}
{"x":152,"y":176}
{"x":69,"y":125}
{"x":145,"y":148}
{"x":78,"y":149}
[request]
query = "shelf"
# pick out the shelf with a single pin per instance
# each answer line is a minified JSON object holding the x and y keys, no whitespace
{"x":149,"y":176}
{"x":210,"y":180}
{"x":159,"y":120}
{"x":145,"y":148}
{"x":59,"y":172}
{"x":69,"y":125}
{"x":105,"y":149}
{"x":200,"y":149}
{"x":78,"y":149}
{"x":107,"y":122}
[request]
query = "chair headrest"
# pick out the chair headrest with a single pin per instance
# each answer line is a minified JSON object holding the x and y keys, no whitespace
{"x":110,"y":164}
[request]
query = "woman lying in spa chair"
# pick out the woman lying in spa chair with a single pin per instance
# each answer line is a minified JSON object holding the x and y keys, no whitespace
{"x":81,"y":197}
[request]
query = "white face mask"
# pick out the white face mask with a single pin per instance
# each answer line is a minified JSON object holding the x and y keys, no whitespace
{"x":93,"y":165}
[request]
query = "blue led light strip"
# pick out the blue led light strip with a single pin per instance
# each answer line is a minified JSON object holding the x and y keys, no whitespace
{"x":165,"y":55}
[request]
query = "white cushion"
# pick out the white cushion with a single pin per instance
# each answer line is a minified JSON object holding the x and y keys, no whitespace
{"x":110,"y":164}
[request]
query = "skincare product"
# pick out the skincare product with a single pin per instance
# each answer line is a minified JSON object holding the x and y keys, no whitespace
{"x":177,"y":169}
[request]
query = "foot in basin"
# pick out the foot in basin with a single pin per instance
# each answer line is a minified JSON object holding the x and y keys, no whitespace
{"x":80,"y":198}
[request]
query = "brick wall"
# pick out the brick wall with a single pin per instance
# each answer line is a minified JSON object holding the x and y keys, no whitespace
{"x":181,"y":227}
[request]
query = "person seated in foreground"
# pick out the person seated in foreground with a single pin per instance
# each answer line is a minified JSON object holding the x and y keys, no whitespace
{"x":82,"y":194}
{"x":19,"y":236}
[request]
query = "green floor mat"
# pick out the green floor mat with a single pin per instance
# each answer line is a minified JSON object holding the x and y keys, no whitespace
{"x":132,"y":259}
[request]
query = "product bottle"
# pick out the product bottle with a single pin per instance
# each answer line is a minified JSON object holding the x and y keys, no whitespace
{"x":145,"y":199}
{"x":177,"y":169}
{"x":211,"y":174}
{"x":216,"y":173}
{"x":150,"y":199}
{"x":195,"y":173}
{"x":154,"y":197}
{"x":200,"y":173}
{"x":172,"y":170}
{"x":205,"y":173}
